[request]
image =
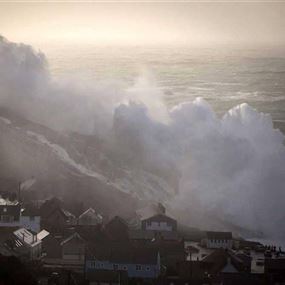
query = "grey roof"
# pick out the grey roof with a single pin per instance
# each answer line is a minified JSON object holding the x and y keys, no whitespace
{"x":219,"y":235}
{"x":160,"y":217}
{"x":71,"y":237}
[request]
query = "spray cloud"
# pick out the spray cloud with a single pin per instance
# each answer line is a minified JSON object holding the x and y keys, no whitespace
{"x":232,"y":166}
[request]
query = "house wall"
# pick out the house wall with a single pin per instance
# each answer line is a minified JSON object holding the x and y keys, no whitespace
{"x":158,"y":226}
{"x":134,"y":270}
{"x":31,"y":223}
{"x":214,"y":243}
{"x":73,"y":250}
{"x":36,"y":251}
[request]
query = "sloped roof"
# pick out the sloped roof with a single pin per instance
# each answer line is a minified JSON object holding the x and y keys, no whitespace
{"x":74,"y":235}
{"x":42,"y":234}
{"x":67,"y":213}
{"x":91,"y":212}
{"x":88,"y":211}
{"x":160,"y":217}
{"x":62,"y":211}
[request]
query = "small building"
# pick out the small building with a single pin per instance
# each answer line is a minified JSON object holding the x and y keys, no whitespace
{"x":89,"y":218}
{"x":216,"y":240}
{"x":10,"y":212}
{"x":27,"y":243}
{"x":31,"y":219}
{"x":159,"y":222}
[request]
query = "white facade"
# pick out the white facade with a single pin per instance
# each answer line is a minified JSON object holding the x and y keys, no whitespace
{"x":32,"y":223}
{"x":158,"y":226}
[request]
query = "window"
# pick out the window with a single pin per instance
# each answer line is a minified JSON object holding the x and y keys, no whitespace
{"x":32,"y":218}
{"x":5,"y":210}
{"x":115,"y":266}
{"x":92,"y":264}
{"x":147,"y":268}
{"x":125,"y":267}
{"x":138,"y":267}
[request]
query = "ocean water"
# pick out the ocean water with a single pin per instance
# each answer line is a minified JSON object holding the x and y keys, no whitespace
{"x":224,"y":77}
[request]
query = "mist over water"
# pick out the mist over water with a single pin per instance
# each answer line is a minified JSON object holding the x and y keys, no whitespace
{"x":230,"y":158}
{"x":224,"y":76}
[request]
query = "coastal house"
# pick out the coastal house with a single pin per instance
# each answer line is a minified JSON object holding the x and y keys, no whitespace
{"x":159,"y":222}
{"x":73,"y":248}
{"x":10,"y":212}
{"x":67,"y":252}
{"x":216,"y":240}
{"x":142,"y":263}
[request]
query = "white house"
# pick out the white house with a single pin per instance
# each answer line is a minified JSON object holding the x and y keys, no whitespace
{"x":218,"y":240}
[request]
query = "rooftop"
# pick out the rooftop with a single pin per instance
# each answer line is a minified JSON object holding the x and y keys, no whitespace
{"x":160,"y":217}
{"x":26,"y":236}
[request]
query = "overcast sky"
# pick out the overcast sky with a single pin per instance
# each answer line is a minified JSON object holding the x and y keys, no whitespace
{"x":145,"y":23}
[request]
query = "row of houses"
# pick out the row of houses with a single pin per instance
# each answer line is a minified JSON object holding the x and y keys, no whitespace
{"x":149,"y":249}
{"x":50,"y":214}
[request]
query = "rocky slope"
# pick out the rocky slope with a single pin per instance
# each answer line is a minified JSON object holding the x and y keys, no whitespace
{"x":74,"y":166}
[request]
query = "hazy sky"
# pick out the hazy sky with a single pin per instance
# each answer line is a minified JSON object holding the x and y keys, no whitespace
{"x":145,"y":23}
